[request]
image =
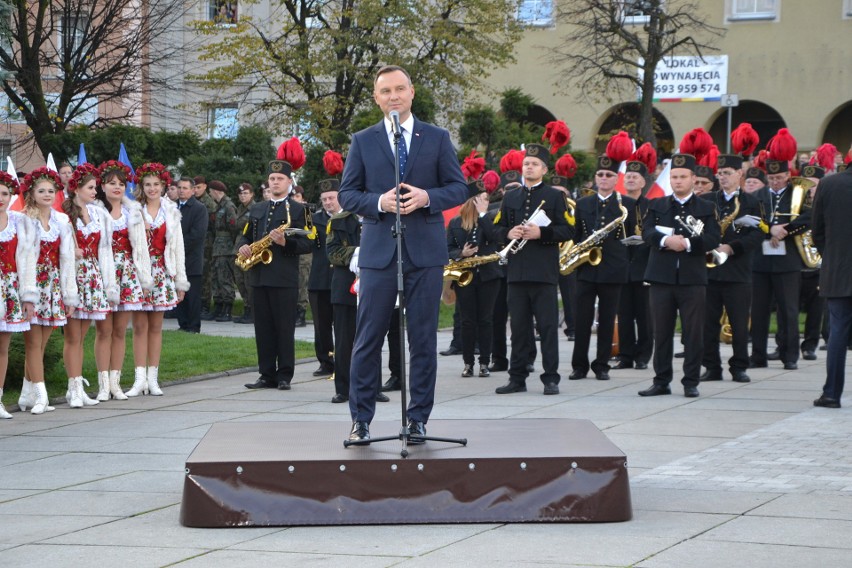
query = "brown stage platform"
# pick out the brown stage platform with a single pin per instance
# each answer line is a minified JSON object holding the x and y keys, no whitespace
{"x":299,"y":473}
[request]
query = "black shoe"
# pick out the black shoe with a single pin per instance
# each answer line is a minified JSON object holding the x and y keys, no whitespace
{"x":690,"y":392}
{"x":360,"y":431}
{"x":338,"y":398}
{"x":187,"y":330}
{"x":774,"y":356}
{"x":551,"y":388}
{"x":570,"y":336}
{"x":740,"y":377}
{"x":283,"y":385}
{"x":511,"y":387}
{"x":577,"y":374}
{"x":709,"y":375}
{"x":247,"y":317}
{"x":824,"y":348}
{"x":623,"y":365}
{"x":790,"y":366}
{"x":394,"y":383}
{"x":224,"y":313}
{"x":210,"y":316}
{"x":641,"y":365}
{"x":300,"y":318}
{"x":323,"y":372}
{"x":498,"y":367}
{"x":809,"y":356}
{"x":381,"y":397}
{"x":826,"y":402}
{"x":655,"y":390}
{"x":416,"y":428}
{"x":468,"y":371}
{"x":451,"y":351}
{"x":530,"y":368}
{"x":602,"y":376}
{"x":680,"y":354}
{"x":752,"y":364}
{"x":483,"y":371}
{"x":261,"y":383}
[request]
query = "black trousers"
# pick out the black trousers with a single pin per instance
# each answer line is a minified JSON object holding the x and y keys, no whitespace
{"x":568,"y":291}
{"x":528,"y":300}
{"x":323,"y":314}
{"x":813,"y":306}
{"x":608,"y":296}
{"x":188,"y":312}
{"x":784,"y":287}
{"x":735,"y":298}
{"x":344,"y":338}
{"x":476,"y":309}
{"x":274,"y":332}
{"x":635,"y":332}
{"x":666,"y":301}
{"x":498,"y":328}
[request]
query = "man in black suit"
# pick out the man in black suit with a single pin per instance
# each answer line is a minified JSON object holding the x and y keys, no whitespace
{"x":677,"y":272}
{"x":193,"y":224}
{"x":276,"y":285}
{"x":431,"y":181}
{"x":319,"y":281}
{"x":832,"y":234}
{"x":604,"y":211}
{"x":729,"y":286}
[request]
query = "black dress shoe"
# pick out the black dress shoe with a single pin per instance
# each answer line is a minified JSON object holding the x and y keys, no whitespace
{"x":809,"y":356}
{"x":360,"y":431}
{"x":577,"y":374}
{"x":824,"y":348}
{"x":740,"y":377}
{"x":381,"y":397}
{"x":468,"y":371}
{"x":623,"y":365}
{"x":261,"y":383}
{"x":498,"y":367}
{"x":338,"y":398}
{"x":602,"y":376}
{"x":790,"y":366}
{"x":283,"y":385}
{"x":641,"y":365}
{"x":570,"y":336}
{"x":752,"y":364}
{"x":323,"y":372}
{"x":483,"y":371}
{"x":826,"y":402}
{"x":690,"y":392}
{"x":452,"y":351}
{"x":551,"y":388}
{"x":416,"y":428}
{"x":511,"y":387}
{"x":656,"y":390}
{"x":530,"y":368}
{"x":774,"y":356}
{"x":680,"y":354}
{"x":709,"y":375}
{"x":394,"y":383}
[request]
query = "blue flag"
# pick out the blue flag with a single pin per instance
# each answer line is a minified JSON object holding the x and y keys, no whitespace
{"x":81,"y":155}
{"x":122,"y":157}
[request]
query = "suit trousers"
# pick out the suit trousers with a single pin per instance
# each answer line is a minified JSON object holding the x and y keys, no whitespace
{"x":568,"y":291}
{"x":499,"y":346}
{"x":274,"y":332}
{"x":476,"y":307}
{"x":528,"y":300}
{"x":323,"y":316}
{"x":784,"y":287}
{"x":735,"y":297}
{"x":608,"y":295}
{"x":344,"y":337}
{"x":635,"y":332}
{"x":666,"y":301}
{"x":840,"y":311}
{"x":188,"y":312}
{"x":813,"y":306}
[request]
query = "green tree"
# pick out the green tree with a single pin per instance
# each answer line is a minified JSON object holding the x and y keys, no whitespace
{"x":316,"y":59}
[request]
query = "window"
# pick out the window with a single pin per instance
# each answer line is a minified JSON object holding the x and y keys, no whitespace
{"x":536,"y":13}
{"x":5,"y":153}
{"x":222,"y":12}
{"x":638,"y":12}
{"x":847,"y":8}
{"x":222,"y":121}
{"x":72,"y":31}
{"x":754,"y":10}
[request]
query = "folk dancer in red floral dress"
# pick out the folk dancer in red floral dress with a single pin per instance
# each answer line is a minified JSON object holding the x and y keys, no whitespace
{"x":18,"y":252}
{"x":56,"y":280}
{"x":165,"y":245}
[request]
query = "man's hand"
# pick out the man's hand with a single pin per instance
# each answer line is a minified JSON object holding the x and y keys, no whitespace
{"x":531,"y":232}
{"x":277,"y":236}
{"x":726,"y":249}
{"x":516,"y":232}
{"x":412,"y":199}
{"x":778,"y":232}
{"x":245,"y":251}
{"x":676,"y":243}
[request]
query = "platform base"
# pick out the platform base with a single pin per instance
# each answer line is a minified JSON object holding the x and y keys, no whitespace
{"x":299,"y":473}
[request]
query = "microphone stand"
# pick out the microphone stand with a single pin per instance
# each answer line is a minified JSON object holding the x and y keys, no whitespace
{"x":398,"y":231}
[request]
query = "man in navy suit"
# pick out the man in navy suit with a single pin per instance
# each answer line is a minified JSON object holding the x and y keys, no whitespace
{"x":431,"y":181}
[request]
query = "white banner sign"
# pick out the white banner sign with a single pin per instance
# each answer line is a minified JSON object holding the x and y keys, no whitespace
{"x":690,"y":78}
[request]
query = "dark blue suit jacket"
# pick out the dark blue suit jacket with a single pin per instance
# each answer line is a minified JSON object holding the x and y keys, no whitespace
{"x":369,"y":172}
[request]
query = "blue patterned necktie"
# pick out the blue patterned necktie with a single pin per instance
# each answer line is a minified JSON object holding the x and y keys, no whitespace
{"x":403,"y":154}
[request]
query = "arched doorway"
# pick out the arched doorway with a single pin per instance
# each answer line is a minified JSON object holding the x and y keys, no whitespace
{"x":625,"y":117}
{"x":837,"y":129}
{"x":762,"y":117}
{"x":540,"y":115}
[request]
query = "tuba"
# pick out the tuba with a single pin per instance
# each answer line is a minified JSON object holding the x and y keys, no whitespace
{"x":590,"y":249}
{"x":714,"y":257}
{"x":261,"y":250}
{"x":725,"y":332}
{"x":805,"y":241}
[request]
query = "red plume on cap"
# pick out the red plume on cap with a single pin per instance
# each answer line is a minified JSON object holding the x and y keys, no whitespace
{"x":647,"y":155}
{"x":711,"y":158}
{"x":848,"y":159}
{"x":491,"y":181}
{"x":619,"y":147}
{"x":513,"y":160}
{"x":744,"y":140}
{"x":291,"y":152}
{"x":557,"y":133}
{"x":782,"y":146}
{"x":760,"y":160}
{"x":332,"y":162}
{"x":825,"y":156}
{"x":566,"y":166}
{"x":473,"y":166}
{"x":696,"y":142}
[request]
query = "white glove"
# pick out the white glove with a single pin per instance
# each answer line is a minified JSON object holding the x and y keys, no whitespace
{"x":353,"y":264}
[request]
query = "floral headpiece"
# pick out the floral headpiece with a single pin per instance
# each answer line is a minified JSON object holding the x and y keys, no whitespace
{"x":110,"y":165}
{"x":37,"y":175}
{"x":9,"y":181}
{"x":154,"y":169}
{"x":80,"y":172}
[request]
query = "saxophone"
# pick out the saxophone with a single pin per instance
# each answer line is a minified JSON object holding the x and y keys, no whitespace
{"x":714,"y":257}
{"x":461,"y":271}
{"x":805,"y":241}
{"x":590,"y":249}
{"x":571,"y":206}
{"x":261,"y":249}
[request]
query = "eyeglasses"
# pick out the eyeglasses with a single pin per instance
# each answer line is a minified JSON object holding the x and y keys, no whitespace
{"x":702,"y":182}
{"x":604,"y":175}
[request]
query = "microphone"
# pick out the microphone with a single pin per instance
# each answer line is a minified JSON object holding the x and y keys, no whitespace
{"x":394,"y":118}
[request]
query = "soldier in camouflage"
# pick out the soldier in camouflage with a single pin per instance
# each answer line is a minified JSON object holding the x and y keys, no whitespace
{"x":246,"y":196}
{"x":200,"y":189}
{"x":224,"y":230}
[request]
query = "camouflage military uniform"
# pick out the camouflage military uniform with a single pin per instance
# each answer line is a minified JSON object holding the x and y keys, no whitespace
{"x":240,"y":279}
{"x":206,"y":291}
{"x":222,"y":252}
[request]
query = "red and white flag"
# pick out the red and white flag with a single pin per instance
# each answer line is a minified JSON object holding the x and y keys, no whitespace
{"x":662,"y":186}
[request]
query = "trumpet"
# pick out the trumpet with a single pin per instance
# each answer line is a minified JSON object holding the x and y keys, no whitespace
{"x":693,"y":225}
{"x":515,"y":245}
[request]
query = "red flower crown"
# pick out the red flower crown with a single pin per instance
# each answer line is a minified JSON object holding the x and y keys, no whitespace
{"x":81,"y":171}
{"x":109,"y":165}
{"x":154,"y":169}
{"x":10,"y":182}
{"x":39,"y":174}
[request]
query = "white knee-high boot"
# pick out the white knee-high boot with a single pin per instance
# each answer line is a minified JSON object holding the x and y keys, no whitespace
{"x":115,"y":385}
{"x":153,"y":385}
{"x":140,"y":383}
